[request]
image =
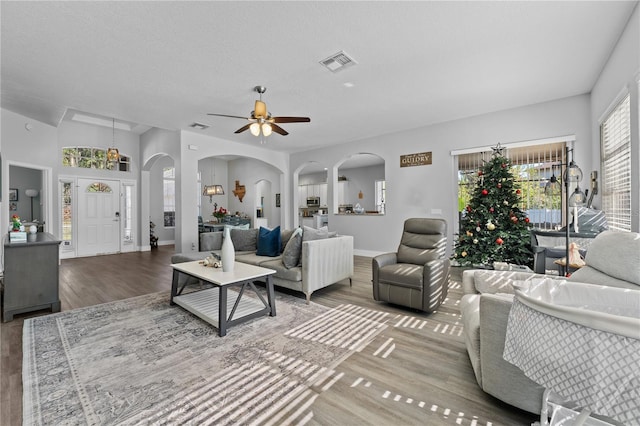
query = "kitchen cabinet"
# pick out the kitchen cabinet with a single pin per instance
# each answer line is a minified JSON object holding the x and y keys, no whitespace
{"x":312,"y":190}
{"x":343,"y":192}
{"x":30,"y":275}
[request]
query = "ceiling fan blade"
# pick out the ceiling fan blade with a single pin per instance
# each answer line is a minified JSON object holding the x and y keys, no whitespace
{"x":290,"y":119}
{"x":279,"y":129}
{"x":230,"y":116}
{"x":243,"y":128}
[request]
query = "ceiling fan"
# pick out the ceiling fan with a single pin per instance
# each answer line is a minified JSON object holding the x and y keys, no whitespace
{"x":261,"y":123}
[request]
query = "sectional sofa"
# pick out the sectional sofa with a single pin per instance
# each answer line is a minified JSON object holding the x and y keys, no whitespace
{"x":324,"y":259}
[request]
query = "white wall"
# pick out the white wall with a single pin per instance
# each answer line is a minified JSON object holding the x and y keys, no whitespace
{"x":35,"y":148}
{"x":249,"y":172}
{"x":194,"y":147}
{"x":621,"y":75}
{"x":416,"y":191}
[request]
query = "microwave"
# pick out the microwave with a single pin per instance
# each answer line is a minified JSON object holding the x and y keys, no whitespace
{"x":313,"y":201}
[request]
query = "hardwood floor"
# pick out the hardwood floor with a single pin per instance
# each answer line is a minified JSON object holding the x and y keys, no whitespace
{"x":428,"y":380}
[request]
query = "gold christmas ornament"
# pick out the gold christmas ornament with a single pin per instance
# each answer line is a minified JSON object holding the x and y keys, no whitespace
{"x":463,"y":254}
{"x":475,"y":241}
{"x":490,"y":226}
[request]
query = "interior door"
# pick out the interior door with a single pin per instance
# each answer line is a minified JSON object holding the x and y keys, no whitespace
{"x":98,"y":217}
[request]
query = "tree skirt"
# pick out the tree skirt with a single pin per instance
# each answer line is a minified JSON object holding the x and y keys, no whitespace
{"x":141,"y":360}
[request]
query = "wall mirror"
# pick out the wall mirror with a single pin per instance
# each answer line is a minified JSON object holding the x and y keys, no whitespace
{"x":359,"y":185}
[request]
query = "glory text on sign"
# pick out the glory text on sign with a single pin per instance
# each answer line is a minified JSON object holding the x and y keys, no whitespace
{"x":419,"y":159}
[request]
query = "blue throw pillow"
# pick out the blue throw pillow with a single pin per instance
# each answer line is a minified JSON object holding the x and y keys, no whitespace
{"x":269,"y":242}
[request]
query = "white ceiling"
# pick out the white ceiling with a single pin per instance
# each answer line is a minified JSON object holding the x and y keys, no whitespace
{"x":166,"y":64}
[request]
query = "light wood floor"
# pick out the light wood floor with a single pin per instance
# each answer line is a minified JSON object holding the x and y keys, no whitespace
{"x":428,"y":380}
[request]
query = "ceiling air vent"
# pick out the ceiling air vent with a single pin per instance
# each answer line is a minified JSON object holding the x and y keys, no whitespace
{"x":198,"y":126}
{"x":338,"y":62}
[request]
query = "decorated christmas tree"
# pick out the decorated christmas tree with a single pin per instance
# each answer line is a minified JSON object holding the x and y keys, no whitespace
{"x":493,"y":228}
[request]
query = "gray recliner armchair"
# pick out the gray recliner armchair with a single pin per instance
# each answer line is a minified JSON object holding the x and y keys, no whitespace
{"x":417,"y":275}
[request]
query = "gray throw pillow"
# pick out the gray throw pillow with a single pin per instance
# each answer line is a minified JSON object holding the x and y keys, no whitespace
{"x":310,"y":234}
{"x":244,"y":239}
{"x":284,"y":238}
{"x":293,"y":250}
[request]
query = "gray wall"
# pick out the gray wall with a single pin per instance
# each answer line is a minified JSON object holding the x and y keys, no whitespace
{"x":431,"y":191}
{"x":620,"y":76}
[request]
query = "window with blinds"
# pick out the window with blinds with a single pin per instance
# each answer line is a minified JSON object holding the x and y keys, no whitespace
{"x":615,"y":143}
{"x":533,"y":167}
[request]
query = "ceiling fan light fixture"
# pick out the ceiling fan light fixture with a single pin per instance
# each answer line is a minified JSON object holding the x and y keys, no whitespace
{"x":260,"y":110}
{"x":255,"y":129}
{"x":266,"y":129}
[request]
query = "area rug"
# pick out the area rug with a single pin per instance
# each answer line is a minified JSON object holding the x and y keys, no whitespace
{"x":142,"y":361}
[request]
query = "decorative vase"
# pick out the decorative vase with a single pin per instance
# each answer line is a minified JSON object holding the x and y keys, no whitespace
{"x":228,"y":252}
{"x":33,"y":229}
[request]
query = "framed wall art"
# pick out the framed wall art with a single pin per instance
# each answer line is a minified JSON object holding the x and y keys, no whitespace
{"x":13,"y":194}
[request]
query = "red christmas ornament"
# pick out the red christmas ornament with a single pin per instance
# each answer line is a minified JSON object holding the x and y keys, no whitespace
{"x":479,"y":172}
{"x":485,"y":192}
{"x":469,"y":209}
{"x":514,"y":219}
{"x":499,"y":185}
{"x":491,"y":209}
{"x":526,"y":220}
{"x":518,"y":192}
{"x":503,"y":165}
{"x":499,"y":241}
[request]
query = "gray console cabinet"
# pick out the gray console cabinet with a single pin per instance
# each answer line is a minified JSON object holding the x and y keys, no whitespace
{"x":30,"y":275}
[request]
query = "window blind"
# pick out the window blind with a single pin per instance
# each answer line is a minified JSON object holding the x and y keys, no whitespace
{"x":615,"y":142}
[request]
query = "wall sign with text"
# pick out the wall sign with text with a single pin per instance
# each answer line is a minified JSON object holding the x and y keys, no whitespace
{"x":419,"y":159}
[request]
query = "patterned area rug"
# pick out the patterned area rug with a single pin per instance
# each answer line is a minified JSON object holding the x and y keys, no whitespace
{"x":141,"y":361}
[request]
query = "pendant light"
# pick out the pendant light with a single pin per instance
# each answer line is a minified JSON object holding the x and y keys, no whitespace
{"x":213,"y":189}
{"x":113,"y":156}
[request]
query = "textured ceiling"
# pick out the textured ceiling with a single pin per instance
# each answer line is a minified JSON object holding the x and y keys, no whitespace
{"x":166,"y":64}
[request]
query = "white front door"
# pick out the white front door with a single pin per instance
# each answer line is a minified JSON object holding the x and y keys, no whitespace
{"x":98,"y":216}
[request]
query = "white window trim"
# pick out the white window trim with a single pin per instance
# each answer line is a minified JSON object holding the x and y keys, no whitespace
{"x":569,"y":139}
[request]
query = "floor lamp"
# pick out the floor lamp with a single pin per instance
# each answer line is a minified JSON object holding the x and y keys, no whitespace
{"x":31,"y":193}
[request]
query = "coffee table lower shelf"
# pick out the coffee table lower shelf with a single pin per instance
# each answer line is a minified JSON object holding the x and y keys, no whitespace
{"x":204,"y":304}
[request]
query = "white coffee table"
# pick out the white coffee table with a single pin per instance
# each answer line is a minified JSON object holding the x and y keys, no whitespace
{"x":212,"y":304}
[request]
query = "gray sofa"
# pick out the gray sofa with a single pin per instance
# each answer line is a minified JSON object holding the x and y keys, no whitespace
{"x":322,"y":261}
{"x":613,"y":260}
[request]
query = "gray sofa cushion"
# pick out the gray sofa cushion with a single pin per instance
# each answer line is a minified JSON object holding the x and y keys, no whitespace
{"x":210,"y":241}
{"x":293,"y":250}
{"x":615,"y":254}
{"x":253,"y":259}
{"x":244,"y":239}
{"x":310,"y":234}
{"x":285,"y":234}
{"x":293,"y":274}
{"x":189,"y":256}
